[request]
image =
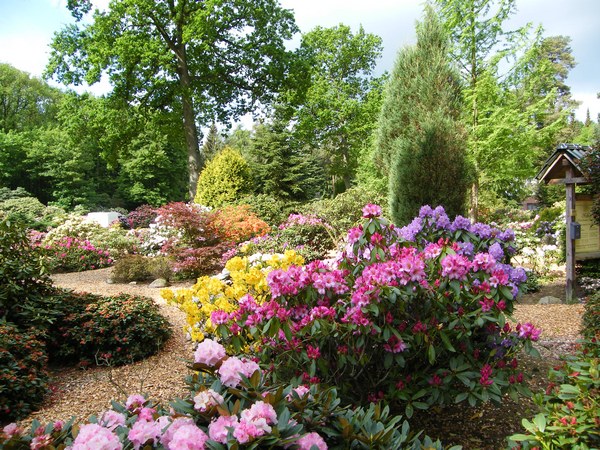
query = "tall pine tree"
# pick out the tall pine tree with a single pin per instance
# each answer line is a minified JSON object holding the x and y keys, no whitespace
{"x":420,"y":137}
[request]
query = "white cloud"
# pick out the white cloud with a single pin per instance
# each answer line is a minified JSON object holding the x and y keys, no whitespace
{"x":588,"y":100}
{"x":27,"y":52}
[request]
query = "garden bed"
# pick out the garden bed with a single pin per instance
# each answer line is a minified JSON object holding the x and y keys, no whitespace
{"x":82,"y":392}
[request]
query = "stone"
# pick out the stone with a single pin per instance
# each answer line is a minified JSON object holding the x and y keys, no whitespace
{"x":549,"y":300}
{"x":110,"y":281}
{"x":159,"y":283}
{"x":133,"y":283}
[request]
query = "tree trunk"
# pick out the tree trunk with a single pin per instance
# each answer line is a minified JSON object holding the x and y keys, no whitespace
{"x":195,"y":159}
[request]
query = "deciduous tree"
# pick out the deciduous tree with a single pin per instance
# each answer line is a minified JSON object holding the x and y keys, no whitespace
{"x":205,"y":59}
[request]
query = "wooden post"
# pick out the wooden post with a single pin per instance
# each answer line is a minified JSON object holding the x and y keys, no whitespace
{"x":570,"y":243}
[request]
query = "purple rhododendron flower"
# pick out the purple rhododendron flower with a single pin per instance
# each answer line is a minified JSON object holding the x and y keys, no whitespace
{"x":496,"y":251}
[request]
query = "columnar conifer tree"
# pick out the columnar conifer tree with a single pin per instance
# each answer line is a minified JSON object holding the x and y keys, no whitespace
{"x":420,"y":138}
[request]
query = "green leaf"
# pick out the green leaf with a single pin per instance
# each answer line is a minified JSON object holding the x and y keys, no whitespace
{"x":431,"y":354}
{"x":447,"y":342}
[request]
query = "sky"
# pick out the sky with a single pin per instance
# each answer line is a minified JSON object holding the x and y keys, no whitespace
{"x":27,"y":27}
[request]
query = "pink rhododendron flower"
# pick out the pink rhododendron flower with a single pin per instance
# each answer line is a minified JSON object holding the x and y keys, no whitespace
{"x":94,"y":437}
{"x":370,"y":211}
{"x":40,"y":442}
{"x":171,"y":428}
{"x":245,"y":432}
{"x":261,"y":415}
{"x":135,"y":401}
{"x":209,"y":352}
{"x":188,"y":437}
{"x":143,"y":432}
{"x":218,"y":429}
{"x":528,"y":331}
{"x":146,"y":414}
{"x":11,"y":430}
{"x":300,"y":390}
{"x":309,"y":440}
{"x":207,"y":399}
{"x":112,"y":419}
{"x":455,"y":266}
{"x":231,"y":369}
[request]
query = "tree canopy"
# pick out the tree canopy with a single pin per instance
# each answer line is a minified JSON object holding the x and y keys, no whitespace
{"x":203,"y":59}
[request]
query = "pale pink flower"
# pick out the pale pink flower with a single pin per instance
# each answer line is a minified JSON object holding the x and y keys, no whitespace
{"x":261,"y":415}
{"x":309,"y":440}
{"x":143,"y":432}
{"x":10,"y":430}
{"x":233,"y":367}
{"x":246,"y":432}
{"x":188,"y":437}
{"x":135,"y":401}
{"x":300,"y":390}
{"x":40,"y":442}
{"x":146,"y":414}
{"x":218,"y":429}
{"x":172,"y":428}
{"x":112,"y":419}
{"x":94,"y":437}
{"x":207,"y":399}
{"x":209,"y":352}
{"x":371,"y":210}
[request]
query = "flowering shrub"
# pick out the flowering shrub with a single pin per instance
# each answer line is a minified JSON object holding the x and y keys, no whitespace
{"x":415,"y":315}
{"x":113,"y":239}
{"x":117,"y":330}
{"x":238,"y":223}
{"x":242,"y":276}
{"x":141,"y":268}
{"x":68,"y":254}
{"x":23,"y":375}
{"x":232,"y":404}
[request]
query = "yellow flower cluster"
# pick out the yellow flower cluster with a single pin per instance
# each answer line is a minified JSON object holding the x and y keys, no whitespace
{"x":242,"y":276}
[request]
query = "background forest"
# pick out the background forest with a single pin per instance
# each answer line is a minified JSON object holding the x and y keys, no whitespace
{"x":320,"y":128}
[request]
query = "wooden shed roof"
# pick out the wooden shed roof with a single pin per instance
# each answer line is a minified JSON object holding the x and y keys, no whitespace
{"x":565,"y":155}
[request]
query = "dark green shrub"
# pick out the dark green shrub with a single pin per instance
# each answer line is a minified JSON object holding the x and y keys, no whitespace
{"x":23,"y":376}
{"x":132,"y":268}
{"x":116,"y":330}
{"x":24,"y":285}
{"x":569,"y":409}
{"x":141,"y":268}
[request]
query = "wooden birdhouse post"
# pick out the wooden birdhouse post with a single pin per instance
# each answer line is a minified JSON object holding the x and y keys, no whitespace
{"x":563,"y":167}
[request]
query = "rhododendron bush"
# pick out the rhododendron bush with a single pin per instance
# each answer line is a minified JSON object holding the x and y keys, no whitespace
{"x":416,"y":315}
{"x":232,"y":404}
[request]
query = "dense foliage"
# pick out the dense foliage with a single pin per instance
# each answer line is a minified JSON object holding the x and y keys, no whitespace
{"x":106,"y":330}
{"x":23,"y":372}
